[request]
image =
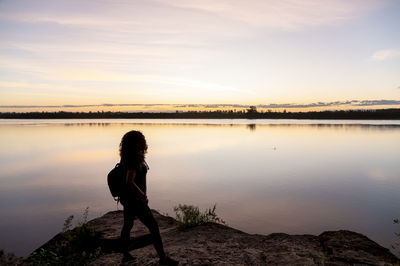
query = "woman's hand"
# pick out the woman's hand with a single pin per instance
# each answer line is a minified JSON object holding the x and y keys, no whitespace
{"x":139,"y":193}
{"x":145,"y":200}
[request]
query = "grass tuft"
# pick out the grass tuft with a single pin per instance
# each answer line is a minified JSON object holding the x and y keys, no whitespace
{"x":190,"y":216}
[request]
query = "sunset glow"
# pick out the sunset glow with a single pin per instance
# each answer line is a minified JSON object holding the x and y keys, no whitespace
{"x":129,"y":55}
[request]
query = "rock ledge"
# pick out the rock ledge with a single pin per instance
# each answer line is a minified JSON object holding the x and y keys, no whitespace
{"x":215,"y":244}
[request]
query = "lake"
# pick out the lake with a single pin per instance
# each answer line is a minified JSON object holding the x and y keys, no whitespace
{"x":266,"y":176}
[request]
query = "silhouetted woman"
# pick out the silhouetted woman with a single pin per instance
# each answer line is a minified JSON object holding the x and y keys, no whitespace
{"x":132,"y":150}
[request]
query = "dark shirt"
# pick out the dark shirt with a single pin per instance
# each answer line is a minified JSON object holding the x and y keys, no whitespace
{"x":140,"y":180}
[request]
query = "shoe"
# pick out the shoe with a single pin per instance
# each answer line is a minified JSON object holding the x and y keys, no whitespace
{"x":168,"y":261}
{"x":127,"y":259}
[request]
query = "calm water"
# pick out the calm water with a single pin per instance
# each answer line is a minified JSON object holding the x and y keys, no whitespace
{"x":297,"y":177}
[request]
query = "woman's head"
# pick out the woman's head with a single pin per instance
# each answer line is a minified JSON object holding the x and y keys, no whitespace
{"x":133,"y":147}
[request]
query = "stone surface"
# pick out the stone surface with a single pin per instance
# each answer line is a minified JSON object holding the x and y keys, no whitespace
{"x":215,"y":244}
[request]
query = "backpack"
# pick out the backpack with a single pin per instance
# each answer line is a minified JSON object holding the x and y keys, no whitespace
{"x":116,"y":181}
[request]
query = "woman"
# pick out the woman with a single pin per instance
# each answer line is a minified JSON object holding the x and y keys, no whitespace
{"x":132,"y":150}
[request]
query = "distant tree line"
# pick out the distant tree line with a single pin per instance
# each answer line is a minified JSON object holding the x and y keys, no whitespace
{"x":250,"y":113}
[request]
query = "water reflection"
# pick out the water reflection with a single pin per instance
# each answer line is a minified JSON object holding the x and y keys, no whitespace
{"x":282,"y":177}
{"x":252,"y":127}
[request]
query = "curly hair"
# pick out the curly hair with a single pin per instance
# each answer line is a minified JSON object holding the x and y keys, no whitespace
{"x":132,"y":148}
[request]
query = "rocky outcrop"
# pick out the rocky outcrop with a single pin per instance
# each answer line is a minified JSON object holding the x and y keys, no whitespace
{"x":215,"y":244}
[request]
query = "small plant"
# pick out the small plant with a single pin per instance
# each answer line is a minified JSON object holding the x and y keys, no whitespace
{"x":189,"y":216}
{"x":397,"y":244}
{"x":67,"y":224}
{"x":45,"y":257}
{"x":84,"y":237}
{"x":84,"y":217}
{"x":9,"y":258}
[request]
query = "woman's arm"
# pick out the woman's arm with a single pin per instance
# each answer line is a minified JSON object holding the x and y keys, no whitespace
{"x":130,"y":180}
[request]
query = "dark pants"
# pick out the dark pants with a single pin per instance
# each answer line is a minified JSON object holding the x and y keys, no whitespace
{"x":134,"y":209}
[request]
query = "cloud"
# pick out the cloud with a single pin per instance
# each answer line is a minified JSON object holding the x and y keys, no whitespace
{"x":377,"y":102}
{"x":354,"y":103}
{"x":385,"y":54}
{"x":287,"y":15}
{"x":165,"y":16}
{"x":43,"y":87}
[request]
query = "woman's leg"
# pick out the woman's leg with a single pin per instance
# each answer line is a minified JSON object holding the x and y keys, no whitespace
{"x":147,"y":218}
{"x":129,"y":216}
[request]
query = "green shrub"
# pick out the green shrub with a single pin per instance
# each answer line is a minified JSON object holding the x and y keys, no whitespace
{"x":45,"y":257}
{"x":189,"y":216}
{"x":84,"y":237}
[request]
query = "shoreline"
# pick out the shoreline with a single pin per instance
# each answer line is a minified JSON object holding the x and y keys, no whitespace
{"x":373,"y":114}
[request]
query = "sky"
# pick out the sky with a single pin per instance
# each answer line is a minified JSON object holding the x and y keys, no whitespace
{"x":132,"y":54}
